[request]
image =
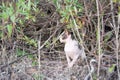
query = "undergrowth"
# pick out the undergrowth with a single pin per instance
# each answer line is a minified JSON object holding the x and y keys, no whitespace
{"x":29,"y":27}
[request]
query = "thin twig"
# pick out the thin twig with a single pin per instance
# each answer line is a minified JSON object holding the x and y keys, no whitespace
{"x":98,"y":37}
{"x":39,"y":42}
{"x":116,"y":29}
{"x":39,"y":51}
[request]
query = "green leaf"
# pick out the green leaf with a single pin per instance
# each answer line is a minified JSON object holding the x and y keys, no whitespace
{"x":1,"y":34}
{"x":5,"y":16}
{"x":115,"y":1}
{"x":12,"y":18}
{"x":9,"y":28}
{"x":30,"y":56}
{"x":108,"y":36}
{"x":29,"y":5}
{"x":111,"y":68}
{"x":19,"y":52}
{"x":34,"y":63}
{"x":47,"y":44}
{"x":9,"y":10}
{"x":30,"y":41}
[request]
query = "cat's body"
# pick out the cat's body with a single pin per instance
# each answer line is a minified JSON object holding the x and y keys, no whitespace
{"x":72,"y":48}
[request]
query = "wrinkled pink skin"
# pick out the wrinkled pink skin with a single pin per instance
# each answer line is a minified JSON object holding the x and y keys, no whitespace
{"x":71,"y":49}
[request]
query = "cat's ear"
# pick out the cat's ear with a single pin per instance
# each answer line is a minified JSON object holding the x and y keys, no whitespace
{"x":66,"y":32}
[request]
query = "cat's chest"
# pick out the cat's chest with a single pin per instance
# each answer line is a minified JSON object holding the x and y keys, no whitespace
{"x":71,"y":46}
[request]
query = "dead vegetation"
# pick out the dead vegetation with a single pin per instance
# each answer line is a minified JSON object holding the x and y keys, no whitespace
{"x":53,"y":64}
